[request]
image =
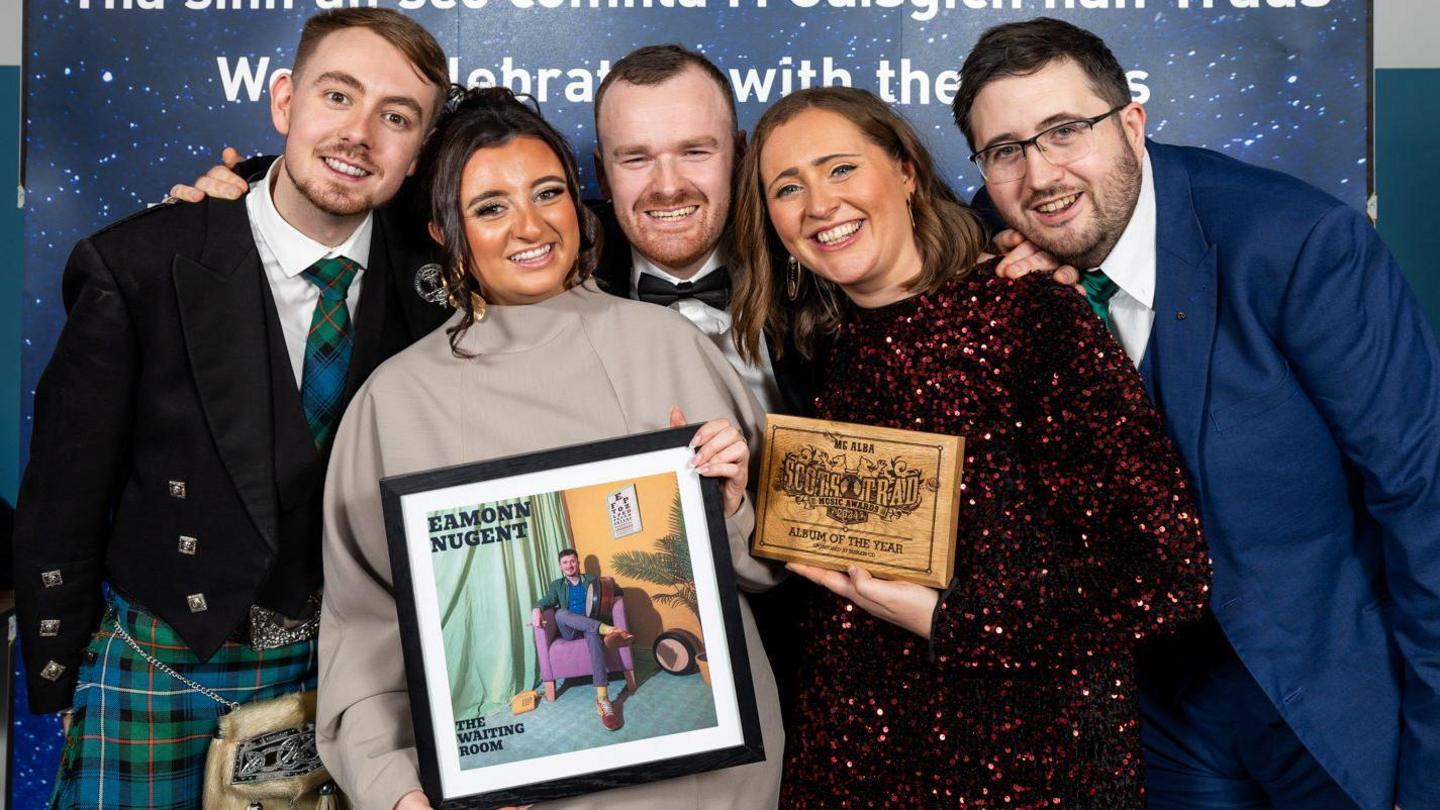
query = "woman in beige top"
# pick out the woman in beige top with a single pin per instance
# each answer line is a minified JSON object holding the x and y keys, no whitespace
{"x":544,"y":359}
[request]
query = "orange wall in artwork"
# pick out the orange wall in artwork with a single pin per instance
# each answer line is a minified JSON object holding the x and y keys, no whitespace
{"x":589,"y":517}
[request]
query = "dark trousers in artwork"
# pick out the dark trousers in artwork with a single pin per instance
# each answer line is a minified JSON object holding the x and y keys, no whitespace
{"x":573,"y":626}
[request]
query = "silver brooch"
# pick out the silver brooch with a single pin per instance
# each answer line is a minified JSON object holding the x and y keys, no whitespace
{"x":430,"y":285}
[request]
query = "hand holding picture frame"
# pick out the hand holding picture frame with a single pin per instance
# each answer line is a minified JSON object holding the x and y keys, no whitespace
{"x":475,"y":549}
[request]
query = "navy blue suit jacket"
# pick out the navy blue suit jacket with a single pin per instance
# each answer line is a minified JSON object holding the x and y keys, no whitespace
{"x":1301,"y":383}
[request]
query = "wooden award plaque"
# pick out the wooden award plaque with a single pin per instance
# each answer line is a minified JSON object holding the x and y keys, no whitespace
{"x":834,"y":495}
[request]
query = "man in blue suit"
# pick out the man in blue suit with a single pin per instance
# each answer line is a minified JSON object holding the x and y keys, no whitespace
{"x":1301,"y":384}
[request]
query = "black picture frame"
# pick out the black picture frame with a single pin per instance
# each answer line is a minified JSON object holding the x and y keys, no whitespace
{"x":641,"y":454}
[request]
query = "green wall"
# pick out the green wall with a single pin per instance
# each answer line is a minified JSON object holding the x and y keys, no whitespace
{"x":1407,"y":172}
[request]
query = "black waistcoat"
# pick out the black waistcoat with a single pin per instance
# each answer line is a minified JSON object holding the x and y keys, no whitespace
{"x":299,"y":473}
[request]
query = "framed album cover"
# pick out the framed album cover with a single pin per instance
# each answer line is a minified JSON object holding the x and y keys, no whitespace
{"x":555,"y":643}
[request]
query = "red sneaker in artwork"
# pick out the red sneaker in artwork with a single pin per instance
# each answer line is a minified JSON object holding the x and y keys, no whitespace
{"x":608,"y":716}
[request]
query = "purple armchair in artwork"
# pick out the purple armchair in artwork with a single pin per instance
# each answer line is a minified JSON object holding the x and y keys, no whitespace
{"x":570,"y":659}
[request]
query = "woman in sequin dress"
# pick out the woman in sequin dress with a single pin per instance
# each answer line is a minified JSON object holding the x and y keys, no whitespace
{"x":1078,"y":536}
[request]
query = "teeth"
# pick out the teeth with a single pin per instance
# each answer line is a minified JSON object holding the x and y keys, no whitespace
{"x":674,"y":213}
{"x":1063,"y":202}
{"x":346,"y":168}
{"x":837,"y":233}
{"x":531,"y":254}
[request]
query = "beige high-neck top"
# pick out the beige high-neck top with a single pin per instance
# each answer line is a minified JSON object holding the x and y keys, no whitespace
{"x":579,"y":367}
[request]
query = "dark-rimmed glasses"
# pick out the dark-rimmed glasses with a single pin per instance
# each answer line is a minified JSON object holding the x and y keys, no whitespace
{"x":1059,"y":145}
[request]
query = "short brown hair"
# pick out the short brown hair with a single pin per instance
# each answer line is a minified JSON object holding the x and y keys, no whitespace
{"x":654,"y":64}
{"x":949,"y":236}
{"x":1022,"y":48}
{"x":409,"y":38}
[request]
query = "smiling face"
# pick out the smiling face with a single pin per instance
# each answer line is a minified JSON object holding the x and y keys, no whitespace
{"x":354,"y":119}
{"x":667,"y":153}
{"x":839,"y":204}
{"x":1075,"y":212}
{"x":570,"y":565}
{"x":521,"y":224}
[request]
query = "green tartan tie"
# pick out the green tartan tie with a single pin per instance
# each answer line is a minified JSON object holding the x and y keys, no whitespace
{"x":1099,"y":289}
{"x":327,"y":348}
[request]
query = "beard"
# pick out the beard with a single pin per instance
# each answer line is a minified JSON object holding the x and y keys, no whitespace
{"x":330,"y":196}
{"x":1088,"y":246}
{"x":672,"y":250}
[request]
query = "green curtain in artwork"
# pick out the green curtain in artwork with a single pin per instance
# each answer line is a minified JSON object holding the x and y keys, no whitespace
{"x":485,"y":595}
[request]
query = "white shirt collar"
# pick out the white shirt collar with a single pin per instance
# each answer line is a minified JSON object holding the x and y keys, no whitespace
{"x":294,"y":251}
{"x":1131,"y":263}
{"x":641,"y":265}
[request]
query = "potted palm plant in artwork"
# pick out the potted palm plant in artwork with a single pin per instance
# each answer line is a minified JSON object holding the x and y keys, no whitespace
{"x":669,"y":567}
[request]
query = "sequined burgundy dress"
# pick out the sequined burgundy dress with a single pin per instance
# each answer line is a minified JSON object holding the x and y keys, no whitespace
{"x":1078,"y":536}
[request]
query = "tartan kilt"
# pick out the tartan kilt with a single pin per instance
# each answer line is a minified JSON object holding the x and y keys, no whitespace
{"x":138,"y":737}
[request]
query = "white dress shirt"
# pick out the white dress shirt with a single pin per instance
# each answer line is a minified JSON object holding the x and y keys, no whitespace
{"x":286,"y":253}
{"x":1131,"y":265}
{"x":715,"y":323}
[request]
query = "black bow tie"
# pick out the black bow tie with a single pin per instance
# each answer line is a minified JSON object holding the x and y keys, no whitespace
{"x":713,"y":289}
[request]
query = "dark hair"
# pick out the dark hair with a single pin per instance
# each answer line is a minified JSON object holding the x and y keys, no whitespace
{"x":1022,"y":48}
{"x":567,"y":552}
{"x":949,"y":236}
{"x":409,"y":38}
{"x":654,"y":64}
{"x":484,"y":118}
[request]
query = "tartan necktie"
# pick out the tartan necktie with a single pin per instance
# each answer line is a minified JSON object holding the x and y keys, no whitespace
{"x":327,"y":348}
{"x":1099,"y":289}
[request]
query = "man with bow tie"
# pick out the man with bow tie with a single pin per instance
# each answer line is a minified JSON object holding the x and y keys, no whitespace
{"x":669,"y":141}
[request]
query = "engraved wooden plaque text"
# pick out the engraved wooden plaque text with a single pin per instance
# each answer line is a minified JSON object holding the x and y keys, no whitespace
{"x":834,"y":494}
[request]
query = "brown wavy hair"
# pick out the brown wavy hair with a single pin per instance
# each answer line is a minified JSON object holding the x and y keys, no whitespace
{"x":949,"y":236}
{"x":478,"y":119}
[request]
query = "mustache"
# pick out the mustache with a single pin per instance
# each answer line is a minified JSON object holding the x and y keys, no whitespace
{"x":358,"y":155}
{"x":676,"y":200}
{"x":1051,"y":193}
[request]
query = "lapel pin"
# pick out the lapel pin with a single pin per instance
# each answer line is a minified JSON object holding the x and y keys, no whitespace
{"x":1179,"y":316}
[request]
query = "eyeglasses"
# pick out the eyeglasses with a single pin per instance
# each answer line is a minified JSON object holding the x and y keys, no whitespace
{"x":1060,"y":145}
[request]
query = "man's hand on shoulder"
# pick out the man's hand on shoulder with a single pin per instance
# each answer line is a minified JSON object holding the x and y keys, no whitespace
{"x":1023,"y":257}
{"x":220,"y":182}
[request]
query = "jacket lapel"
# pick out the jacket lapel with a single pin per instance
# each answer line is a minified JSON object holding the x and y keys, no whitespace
{"x":1186,"y":303}
{"x":222,"y":314}
{"x":615,"y":262}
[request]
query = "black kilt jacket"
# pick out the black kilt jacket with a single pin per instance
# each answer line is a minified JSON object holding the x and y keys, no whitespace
{"x":155,"y":462}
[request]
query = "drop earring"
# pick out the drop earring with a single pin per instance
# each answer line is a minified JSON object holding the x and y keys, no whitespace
{"x":792,"y":279}
{"x":478,"y":305}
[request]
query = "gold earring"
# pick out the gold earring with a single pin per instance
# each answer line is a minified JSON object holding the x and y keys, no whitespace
{"x":792,"y":279}
{"x":477,"y":305}
{"x":910,"y":209}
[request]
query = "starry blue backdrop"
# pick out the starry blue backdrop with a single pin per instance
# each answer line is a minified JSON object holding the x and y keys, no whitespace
{"x":124,"y":102}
